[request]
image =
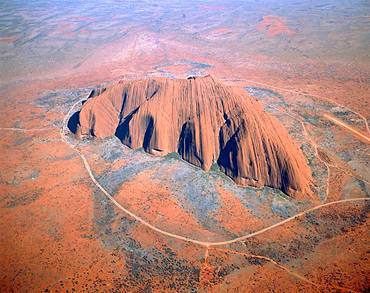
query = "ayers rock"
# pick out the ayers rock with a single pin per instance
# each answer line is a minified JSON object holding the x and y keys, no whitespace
{"x":204,"y":121}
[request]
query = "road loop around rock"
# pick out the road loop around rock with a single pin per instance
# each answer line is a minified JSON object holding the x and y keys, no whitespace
{"x":176,"y":236}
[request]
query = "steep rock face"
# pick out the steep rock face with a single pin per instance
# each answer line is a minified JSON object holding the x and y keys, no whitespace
{"x":206,"y":123}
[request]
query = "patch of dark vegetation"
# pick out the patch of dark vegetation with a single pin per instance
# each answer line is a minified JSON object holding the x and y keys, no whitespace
{"x":48,"y":100}
{"x":363,"y":187}
{"x":15,"y":200}
{"x":256,"y":261}
{"x":173,"y":155}
{"x":18,"y":124}
{"x":223,"y":271}
{"x":104,"y":215}
{"x":146,"y":265}
{"x":126,"y":223}
{"x":112,"y":181}
{"x":61,"y":99}
{"x":63,"y":158}
{"x":282,"y":205}
{"x":318,"y":228}
{"x":346,"y":155}
{"x":194,"y":64}
{"x":308,"y":118}
{"x":85,"y":282}
{"x":22,"y":140}
{"x":215,"y":168}
{"x":68,"y":157}
{"x":113,"y":155}
{"x":312,"y":219}
{"x":140,"y":150}
{"x":145,"y":270}
{"x":342,"y":113}
{"x":201,"y":65}
{"x":54,"y":233}
{"x":200,"y":199}
{"x":263,"y":93}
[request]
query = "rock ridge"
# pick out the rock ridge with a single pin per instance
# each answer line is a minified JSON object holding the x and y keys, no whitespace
{"x":204,"y":121}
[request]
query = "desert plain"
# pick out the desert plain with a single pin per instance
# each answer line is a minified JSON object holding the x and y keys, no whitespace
{"x":94,"y":215}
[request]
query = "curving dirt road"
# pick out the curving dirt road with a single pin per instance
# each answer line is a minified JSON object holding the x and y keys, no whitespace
{"x":63,"y":132}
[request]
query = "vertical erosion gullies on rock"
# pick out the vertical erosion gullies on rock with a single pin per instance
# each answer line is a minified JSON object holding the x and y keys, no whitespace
{"x":206,"y":123}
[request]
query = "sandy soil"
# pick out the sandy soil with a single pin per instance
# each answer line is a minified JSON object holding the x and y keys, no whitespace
{"x":60,"y":232}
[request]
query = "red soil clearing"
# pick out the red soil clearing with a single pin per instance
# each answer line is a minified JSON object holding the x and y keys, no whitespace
{"x":274,"y":25}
